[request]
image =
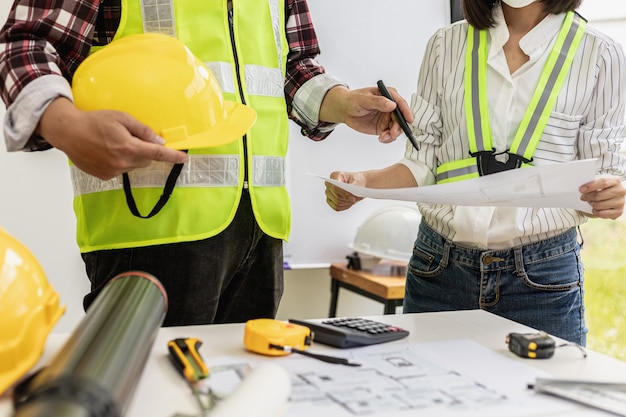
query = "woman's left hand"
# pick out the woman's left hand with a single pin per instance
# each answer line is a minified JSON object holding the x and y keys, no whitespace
{"x":606,"y":196}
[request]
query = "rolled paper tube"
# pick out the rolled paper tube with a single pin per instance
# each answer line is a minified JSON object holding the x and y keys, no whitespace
{"x":263,"y":393}
{"x":97,"y":370}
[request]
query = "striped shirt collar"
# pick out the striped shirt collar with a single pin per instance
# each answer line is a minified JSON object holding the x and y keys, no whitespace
{"x":534,"y":43}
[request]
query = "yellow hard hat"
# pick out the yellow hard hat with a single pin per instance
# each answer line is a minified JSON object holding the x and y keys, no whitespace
{"x":29,"y":308}
{"x":157,"y":80}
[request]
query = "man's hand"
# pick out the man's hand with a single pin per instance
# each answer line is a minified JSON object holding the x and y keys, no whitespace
{"x":365,"y":110}
{"x":103,"y":143}
{"x":606,"y":196}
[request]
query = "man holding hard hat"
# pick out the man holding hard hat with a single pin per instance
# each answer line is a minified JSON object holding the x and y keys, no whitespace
{"x":215,"y":242}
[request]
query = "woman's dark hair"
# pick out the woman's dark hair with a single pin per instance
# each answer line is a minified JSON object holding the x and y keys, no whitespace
{"x":479,"y":13}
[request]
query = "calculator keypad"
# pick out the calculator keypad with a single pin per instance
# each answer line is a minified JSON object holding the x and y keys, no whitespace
{"x":364,"y":325}
{"x":352,"y":332}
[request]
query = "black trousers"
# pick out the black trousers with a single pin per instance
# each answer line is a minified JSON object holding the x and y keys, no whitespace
{"x":230,"y":278}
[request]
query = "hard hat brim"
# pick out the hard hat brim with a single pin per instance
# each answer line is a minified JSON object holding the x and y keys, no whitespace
{"x":238,"y":120}
{"x":389,"y":255}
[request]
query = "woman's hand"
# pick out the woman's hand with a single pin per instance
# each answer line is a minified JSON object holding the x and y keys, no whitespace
{"x":606,"y":196}
{"x":339,"y":199}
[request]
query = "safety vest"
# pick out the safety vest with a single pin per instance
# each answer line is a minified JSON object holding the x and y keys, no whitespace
{"x":249,"y":61}
{"x":530,"y":130}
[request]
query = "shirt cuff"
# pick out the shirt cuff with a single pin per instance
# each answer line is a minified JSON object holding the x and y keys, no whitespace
{"x":22,"y":116}
{"x":422,"y":173}
{"x":308,"y":101}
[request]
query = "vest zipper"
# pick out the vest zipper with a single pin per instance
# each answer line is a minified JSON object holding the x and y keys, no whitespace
{"x":231,"y":27}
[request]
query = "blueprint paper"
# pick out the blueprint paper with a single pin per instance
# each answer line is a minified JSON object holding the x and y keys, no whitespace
{"x":451,"y":378}
{"x":554,"y":185}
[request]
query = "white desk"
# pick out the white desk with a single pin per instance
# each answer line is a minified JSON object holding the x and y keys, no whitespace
{"x":161,"y":392}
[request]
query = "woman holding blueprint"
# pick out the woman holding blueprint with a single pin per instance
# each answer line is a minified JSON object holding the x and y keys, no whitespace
{"x":519,"y":83}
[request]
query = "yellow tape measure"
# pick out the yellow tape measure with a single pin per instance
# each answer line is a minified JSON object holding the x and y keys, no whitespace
{"x":270,"y":337}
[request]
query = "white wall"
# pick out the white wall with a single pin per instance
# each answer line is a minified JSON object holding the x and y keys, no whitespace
{"x":609,"y":16}
{"x":351,"y":51}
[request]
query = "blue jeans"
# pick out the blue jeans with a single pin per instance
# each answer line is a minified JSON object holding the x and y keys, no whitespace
{"x":229,"y":278}
{"x":539,"y":285}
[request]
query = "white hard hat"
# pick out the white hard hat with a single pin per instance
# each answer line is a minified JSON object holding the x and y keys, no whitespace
{"x":389,"y":233}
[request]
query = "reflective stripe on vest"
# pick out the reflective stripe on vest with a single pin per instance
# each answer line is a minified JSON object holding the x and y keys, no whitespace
{"x":158,"y":17}
{"x":538,"y":111}
{"x":200,"y":171}
{"x":208,"y":190}
{"x":261,"y":81}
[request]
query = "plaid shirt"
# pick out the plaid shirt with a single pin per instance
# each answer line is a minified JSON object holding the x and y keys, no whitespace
{"x":52,"y":37}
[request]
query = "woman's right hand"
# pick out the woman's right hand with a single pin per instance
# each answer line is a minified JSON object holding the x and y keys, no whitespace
{"x":339,"y":199}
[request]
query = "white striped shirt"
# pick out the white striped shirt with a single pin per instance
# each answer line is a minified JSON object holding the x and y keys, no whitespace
{"x":587,"y":122}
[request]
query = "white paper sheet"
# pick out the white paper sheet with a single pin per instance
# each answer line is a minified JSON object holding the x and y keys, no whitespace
{"x":554,"y":185}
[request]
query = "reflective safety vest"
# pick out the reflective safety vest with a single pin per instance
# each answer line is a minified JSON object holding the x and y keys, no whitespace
{"x":482,"y":155}
{"x":246,"y":49}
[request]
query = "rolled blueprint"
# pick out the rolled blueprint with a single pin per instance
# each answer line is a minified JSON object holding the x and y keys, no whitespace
{"x":97,"y":370}
{"x":263,"y":393}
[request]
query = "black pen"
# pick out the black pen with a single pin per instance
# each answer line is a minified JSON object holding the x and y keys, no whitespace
{"x":401,"y":120}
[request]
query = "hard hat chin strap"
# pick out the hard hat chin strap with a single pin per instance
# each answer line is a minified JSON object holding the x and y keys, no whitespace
{"x":167,"y":191}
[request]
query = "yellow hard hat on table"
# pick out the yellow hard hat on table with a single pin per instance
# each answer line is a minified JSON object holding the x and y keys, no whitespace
{"x":157,"y":80}
{"x":29,"y":309}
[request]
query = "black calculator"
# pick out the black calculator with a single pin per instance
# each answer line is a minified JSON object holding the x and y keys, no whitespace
{"x":352,"y":332}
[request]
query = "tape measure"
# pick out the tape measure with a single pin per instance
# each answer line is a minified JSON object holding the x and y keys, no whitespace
{"x":271,"y":337}
{"x":531,"y":345}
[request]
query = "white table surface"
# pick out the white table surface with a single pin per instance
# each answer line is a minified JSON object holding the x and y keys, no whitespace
{"x":161,"y":391}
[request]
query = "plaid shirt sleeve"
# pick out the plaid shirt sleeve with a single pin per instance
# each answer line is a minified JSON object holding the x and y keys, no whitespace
{"x":41,"y":45}
{"x":306,"y":82}
{"x":43,"y":37}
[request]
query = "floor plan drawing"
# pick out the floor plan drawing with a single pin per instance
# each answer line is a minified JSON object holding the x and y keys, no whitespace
{"x":391,"y":381}
{"x":452,"y":378}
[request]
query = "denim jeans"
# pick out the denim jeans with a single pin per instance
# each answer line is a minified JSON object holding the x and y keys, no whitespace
{"x":539,"y":284}
{"x":229,"y":278}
